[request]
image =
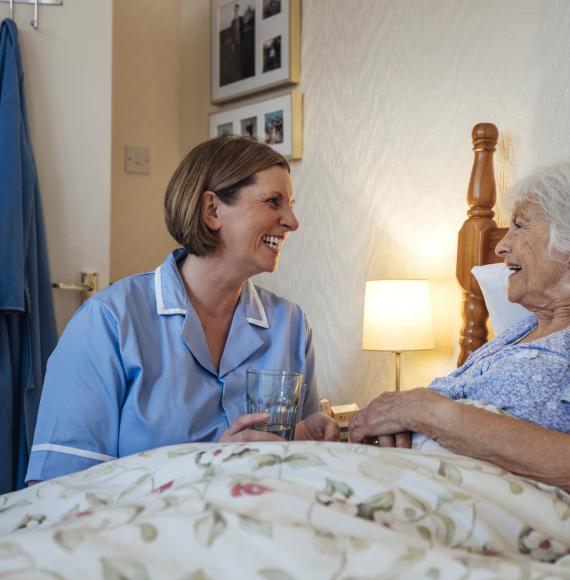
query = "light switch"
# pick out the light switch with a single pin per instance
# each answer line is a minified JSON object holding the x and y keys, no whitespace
{"x":137,"y":159}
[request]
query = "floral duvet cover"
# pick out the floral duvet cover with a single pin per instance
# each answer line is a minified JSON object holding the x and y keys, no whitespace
{"x":277,"y":511}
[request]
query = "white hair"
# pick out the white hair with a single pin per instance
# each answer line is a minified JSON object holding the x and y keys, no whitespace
{"x":549,"y":188}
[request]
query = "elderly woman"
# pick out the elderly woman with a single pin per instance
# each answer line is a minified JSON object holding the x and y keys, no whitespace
{"x":160,"y":358}
{"x":525,"y":371}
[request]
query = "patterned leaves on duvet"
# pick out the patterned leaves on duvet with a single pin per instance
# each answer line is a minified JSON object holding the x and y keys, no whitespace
{"x":286,"y":510}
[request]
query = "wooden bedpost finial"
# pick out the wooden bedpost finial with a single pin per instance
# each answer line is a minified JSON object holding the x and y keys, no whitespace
{"x":481,"y":197}
{"x":485,"y":136}
{"x":482,"y":193}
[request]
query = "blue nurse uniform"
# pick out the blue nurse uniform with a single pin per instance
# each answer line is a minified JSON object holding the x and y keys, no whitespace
{"x":132,"y":371}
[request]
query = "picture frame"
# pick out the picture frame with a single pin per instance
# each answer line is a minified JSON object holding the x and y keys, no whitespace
{"x":278,"y":121}
{"x":256,"y":45}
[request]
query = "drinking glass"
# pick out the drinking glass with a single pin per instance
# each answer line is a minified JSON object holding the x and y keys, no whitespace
{"x":279,"y":393}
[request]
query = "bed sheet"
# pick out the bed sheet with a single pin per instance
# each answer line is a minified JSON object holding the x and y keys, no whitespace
{"x":286,"y":510}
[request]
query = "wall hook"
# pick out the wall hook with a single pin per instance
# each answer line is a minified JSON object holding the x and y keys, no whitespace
{"x":34,"y":22}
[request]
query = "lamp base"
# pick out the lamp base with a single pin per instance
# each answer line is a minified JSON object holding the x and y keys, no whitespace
{"x":398,"y":371}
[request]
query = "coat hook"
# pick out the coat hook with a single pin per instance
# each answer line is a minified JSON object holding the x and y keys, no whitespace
{"x":34,"y":22}
{"x":12,"y":9}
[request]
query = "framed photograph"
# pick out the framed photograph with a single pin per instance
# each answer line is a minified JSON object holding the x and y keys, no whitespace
{"x":255,"y":46}
{"x":277,"y":121}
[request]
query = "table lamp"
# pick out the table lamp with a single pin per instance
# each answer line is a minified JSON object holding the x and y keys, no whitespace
{"x":397,"y":317}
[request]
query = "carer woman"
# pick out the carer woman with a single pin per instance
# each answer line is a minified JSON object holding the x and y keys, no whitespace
{"x":160,"y":358}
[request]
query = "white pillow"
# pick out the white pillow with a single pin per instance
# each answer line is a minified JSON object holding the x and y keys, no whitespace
{"x":493,"y":281}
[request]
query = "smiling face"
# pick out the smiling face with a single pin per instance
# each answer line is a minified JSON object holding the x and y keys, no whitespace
{"x":253,"y":229}
{"x":539,"y":280}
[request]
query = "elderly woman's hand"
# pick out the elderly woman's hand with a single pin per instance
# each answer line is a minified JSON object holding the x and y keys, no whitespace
{"x":317,"y":427}
{"x":389,"y":419}
{"x":240,"y":430}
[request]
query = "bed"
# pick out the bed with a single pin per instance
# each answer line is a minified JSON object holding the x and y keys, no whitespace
{"x":477,"y":239}
{"x":278,"y":511}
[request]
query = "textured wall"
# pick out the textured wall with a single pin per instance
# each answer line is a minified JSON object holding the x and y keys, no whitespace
{"x":392,"y":90}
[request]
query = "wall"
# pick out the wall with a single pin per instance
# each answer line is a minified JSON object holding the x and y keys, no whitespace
{"x":392,"y":90}
{"x":194,"y":72}
{"x":146,"y":93}
{"x":67,"y":68}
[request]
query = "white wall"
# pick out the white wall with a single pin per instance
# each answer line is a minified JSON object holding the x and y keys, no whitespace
{"x":392,"y":90}
{"x":67,"y":68}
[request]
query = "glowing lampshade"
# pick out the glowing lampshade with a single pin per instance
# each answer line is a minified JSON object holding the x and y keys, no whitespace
{"x":397,"y":317}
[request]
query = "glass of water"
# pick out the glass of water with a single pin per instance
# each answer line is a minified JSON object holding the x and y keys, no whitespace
{"x":279,"y":393}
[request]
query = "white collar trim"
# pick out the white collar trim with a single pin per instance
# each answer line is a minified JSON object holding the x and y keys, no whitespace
{"x":160,"y":309}
{"x":262,"y":321}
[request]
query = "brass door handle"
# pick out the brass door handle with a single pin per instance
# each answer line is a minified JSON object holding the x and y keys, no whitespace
{"x":87,"y":287}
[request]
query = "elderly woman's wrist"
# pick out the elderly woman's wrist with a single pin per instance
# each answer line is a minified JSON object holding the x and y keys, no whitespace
{"x":430,"y":412}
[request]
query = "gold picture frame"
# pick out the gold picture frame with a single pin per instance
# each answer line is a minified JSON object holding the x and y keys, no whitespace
{"x":278,"y":121}
{"x":256,"y":46}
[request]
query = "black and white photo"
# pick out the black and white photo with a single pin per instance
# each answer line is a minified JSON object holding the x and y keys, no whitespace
{"x":255,"y":45}
{"x":271,"y":8}
{"x":236,"y":42}
{"x":272,"y":54}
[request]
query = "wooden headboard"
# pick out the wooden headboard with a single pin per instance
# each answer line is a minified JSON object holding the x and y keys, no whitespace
{"x":477,"y":239}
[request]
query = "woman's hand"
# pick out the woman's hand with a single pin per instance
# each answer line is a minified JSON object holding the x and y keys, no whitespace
{"x":402,"y":440}
{"x":240,"y":430}
{"x":317,"y":427}
{"x":389,"y":419}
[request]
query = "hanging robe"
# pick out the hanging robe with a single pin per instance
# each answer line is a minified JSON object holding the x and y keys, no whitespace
{"x":27,"y":322}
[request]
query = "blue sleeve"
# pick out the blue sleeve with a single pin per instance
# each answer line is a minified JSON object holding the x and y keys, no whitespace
{"x":84,"y":388}
{"x":311,"y":402}
{"x":534,"y":384}
{"x":529,"y":383}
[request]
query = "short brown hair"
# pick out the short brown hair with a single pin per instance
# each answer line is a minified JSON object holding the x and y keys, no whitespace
{"x":223,"y":165}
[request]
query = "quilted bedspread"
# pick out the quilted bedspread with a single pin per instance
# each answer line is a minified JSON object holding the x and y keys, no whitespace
{"x":286,"y":510}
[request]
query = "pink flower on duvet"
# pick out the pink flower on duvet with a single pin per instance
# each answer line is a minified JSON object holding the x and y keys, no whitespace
{"x":83,"y":513}
{"x":239,"y":489}
{"x":163,"y":487}
{"x":540,"y":547}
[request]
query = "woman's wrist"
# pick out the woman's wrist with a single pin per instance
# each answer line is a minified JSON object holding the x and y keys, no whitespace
{"x":430,"y":412}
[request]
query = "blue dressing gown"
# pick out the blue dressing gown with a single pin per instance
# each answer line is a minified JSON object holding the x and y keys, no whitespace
{"x":27,"y":322}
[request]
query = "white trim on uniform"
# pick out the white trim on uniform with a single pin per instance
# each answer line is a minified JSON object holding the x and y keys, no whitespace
{"x":160,"y":309}
{"x":72,"y":451}
{"x":263,"y":317}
